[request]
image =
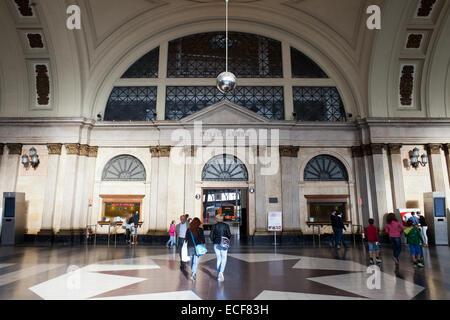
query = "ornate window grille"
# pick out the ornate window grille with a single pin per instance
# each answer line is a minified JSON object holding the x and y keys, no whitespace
{"x":124,"y":168}
{"x":203,"y":56}
{"x":263,"y":100}
{"x":325,"y":168}
{"x":318,"y":104}
{"x":304,"y":67}
{"x":225,"y":168}
{"x":145,"y":67}
{"x":131,"y":104}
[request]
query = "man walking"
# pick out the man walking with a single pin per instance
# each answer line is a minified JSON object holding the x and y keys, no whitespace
{"x":340,"y":227}
{"x":182,"y":227}
{"x":333,"y":226}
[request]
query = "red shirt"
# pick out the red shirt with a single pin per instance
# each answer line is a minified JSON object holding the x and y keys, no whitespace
{"x":372,"y":234}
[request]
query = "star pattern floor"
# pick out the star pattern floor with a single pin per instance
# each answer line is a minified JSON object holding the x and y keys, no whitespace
{"x":253,"y":272}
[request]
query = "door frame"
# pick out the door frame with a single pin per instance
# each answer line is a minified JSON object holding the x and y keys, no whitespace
{"x":243,"y":189}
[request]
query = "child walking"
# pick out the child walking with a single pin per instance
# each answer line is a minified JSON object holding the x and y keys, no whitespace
{"x":415,"y":240}
{"x":373,"y":240}
{"x":172,"y":232}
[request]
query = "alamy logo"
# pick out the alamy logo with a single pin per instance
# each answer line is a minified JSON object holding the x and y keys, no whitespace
{"x":374,"y":280}
{"x":74,"y":19}
{"x":374,"y":20}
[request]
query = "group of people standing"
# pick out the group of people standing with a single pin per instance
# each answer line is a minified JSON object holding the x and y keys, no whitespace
{"x":189,"y":234}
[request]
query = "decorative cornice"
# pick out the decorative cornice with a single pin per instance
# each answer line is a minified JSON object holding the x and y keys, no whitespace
{"x":377,"y":148}
{"x":289,"y":151}
{"x":54,"y":148}
{"x":357,"y":152}
{"x":92,"y":152}
{"x":160,"y":151}
{"x":14,"y":148}
{"x":395,"y":148}
{"x":434,"y":148}
{"x":73,"y":148}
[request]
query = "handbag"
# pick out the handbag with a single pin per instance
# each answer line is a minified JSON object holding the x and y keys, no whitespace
{"x":224,"y":243}
{"x":184,"y":253}
{"x":200,"y":249}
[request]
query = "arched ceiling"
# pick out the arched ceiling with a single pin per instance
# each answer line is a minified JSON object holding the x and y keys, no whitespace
{"x":82,"y":62}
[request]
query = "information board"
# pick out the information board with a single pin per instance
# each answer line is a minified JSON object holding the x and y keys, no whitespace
{"x":275,"y":221}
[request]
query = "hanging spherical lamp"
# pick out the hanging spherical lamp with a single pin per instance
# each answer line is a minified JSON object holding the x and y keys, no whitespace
{"x":226,"y":81}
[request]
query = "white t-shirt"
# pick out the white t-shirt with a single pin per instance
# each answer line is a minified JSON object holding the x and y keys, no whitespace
{"x":183,"y":229}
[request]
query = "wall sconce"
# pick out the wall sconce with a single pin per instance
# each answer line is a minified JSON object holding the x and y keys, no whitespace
{"x":415,"y":162}
{"x":30,"y":160}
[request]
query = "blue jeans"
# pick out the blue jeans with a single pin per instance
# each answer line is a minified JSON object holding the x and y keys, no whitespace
{"x":221,"y":258}
{"x":171,"y":241}
{"x":194,"y":263}
{"x":396,"y":246}
{"x":339,"y":237}
{"x":180,"y":245}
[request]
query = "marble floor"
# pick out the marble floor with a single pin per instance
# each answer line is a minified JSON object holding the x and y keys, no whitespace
{"x":253,"y":272}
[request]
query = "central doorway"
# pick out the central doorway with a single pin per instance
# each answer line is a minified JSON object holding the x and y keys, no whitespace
{"x":232,"y":204}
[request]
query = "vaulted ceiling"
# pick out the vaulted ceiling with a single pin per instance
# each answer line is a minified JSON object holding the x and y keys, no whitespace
{"x":81,"y":62}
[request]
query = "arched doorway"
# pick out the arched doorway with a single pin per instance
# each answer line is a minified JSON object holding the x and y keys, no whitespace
{"x":226,"y":193}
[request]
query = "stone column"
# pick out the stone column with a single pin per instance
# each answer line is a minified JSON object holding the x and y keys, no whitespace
{"x":159,"y":188}
{"x":91,"y":161}
{"x":379,"y":191}
{"x":398,"y":185}
{"x":69,"y":189}
{"x":54,"y":155}
{"x":290,"y":187}
{"x":80,"y":202}
{"x":260,"y":197}
{"x":10,"y":169}
{"x":360,"y":184}
{"x":189,"y":180}
{"x":436,"y":167}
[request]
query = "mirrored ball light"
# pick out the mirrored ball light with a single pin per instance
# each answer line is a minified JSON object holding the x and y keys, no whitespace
{"x":226,"y":82}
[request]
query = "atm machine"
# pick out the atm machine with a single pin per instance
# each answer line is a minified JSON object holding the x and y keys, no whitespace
{"x":14,"y":218}
{"x":436,"y":217}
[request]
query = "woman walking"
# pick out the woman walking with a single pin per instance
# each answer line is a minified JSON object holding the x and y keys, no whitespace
{"x":172,"y":232}
{"x":423,"y":228}
{"x":394,"y":229}
{"x":194,"y":237}
{"x":220,"y":235}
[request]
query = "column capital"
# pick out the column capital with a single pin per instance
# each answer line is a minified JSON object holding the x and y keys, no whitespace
{"x":377,"y":148}
{"x":160,"y":151}
{"x":357,"y":152}
{"x":289,"y":151}
{"x":2,"y":146}
{"x":395,"y":148}
{"x":14,"y":148}
{"x":54,"y":148}
{"x":366,"y":149}
{"x":84,"y":150}
{"x":434,"y":148}
{"x":92,"y":152}
{"x":73,"y":148}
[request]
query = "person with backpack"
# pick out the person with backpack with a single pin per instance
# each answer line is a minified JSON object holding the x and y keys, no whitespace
{"x":195,"y":238}
{"x":220,"y":236}
{"x":414,"y":237}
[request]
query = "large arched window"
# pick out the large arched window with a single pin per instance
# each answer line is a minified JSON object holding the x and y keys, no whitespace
{"x":225,"y":168}
{"x":325,"y":168}
{"x":124,"y":168}
{"x":194,"y":61}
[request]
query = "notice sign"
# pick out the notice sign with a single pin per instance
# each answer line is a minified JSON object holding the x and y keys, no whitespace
{"x":275,"y":221}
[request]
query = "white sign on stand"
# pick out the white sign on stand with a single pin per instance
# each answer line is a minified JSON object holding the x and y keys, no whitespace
{"x":275,"y":224}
